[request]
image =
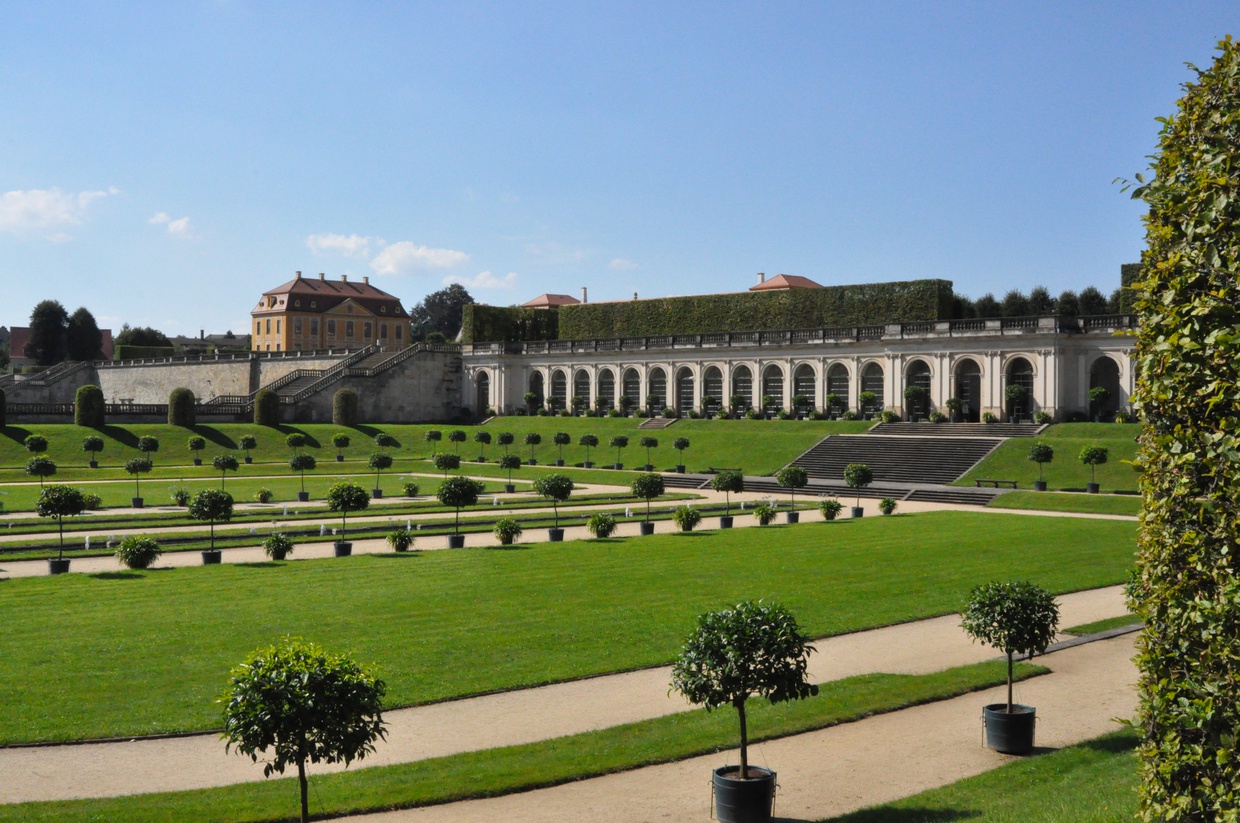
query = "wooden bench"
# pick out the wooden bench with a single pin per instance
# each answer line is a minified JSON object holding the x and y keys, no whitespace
{"x":994,"y":484}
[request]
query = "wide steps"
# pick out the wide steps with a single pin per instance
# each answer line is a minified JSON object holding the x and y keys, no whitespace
{"x":657,"y":422}
{"x":291,"y":388}
{"x":958,"y":429}
{"x":897,"y":459}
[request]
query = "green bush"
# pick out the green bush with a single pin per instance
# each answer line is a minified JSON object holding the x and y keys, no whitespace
{"x":764,"y":514}
{"x":686,"y":517}
{"x":887,"y":505}
{"x":277,"y":546}
{"x":266,"y":408}
{"x":180,"y":496}
{"x":88,"y":407}
{"x":263,"y":495}
{"x":91,"y":501}
{"x":601,"y":525}
{"x":830,"y":509}
{"x":411,"y":489}
{"x":181,"y":408}
{"x":507,"y":530}
{"x":344,"y":408}
{"x":138,"y":551}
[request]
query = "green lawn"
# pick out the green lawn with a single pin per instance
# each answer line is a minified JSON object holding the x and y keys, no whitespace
{"x":517,"y":768}
{"x":1092,"y":782}
{"x":445,"y":624}
{"x":1061,"y":502}
{"x":1011,"y":460}
{"x":1103,"y":625}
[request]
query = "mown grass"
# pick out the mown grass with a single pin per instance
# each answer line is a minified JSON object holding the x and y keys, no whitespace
{"x":516,"y":768}
{"x":1066,"y":472}
{"x":1103,"y":625}
{"x":1091,"y":782}
{"x":78,"y":648}
{"x":1060,"y":502}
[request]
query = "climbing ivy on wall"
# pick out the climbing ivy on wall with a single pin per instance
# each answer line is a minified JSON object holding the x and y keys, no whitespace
{"x":1188,"y":359}
{"x":507,"y":324}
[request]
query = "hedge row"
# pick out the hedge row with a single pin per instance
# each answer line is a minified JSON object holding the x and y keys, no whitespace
{"x":142,"y":352}
{"x":508,"y":324}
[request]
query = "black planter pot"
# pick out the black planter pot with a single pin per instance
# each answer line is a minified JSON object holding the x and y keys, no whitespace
{"x":509,"y":488}
{"x":211,"y":557}
{"x":1009,"y":733}
{"x":555,"y":535}
{"x":456,"y":541}
{"x":136,"y":502}
{"x":342,"y":548}
{"x":617,"y":466}
{"x":249,"y":460}
{"x":589,"y":464}
{"x":744,"y":801}
{"x":649,"y":467}
{"x":1039,"y":485}
{"x":725,"y":521}
{"x":197,"y":461}
{"x":792,"y":517}
{"x":94,"y":464}
{"x":680,"y":470}
{"x":376,"y":493}
{"x":857,"y":511}
{"x":55,"y":566}
{"x":647,"y":529}
{"x":340,"y":458}
{"x":303,"y":497}
{"x":559,"y":462}
{"x":482,"y":460}
{"x":1091,"y":488}
{"x":533,"y":462}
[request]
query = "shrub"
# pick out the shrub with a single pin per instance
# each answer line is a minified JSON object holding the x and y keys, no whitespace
{"x":669,"y":412}
{"x":88,"y":407}
{"x":263,"y":495}
{"x":400,"y":539}
{"x":91,"y":501}
{"x":278,"y":546}
{"x":181,"y":408}
{"x":938,"y":417}
{"x":830,"y":509}
{"x":753,"y":414}
{"x":35,"y":443}
{"x":1043,"y":417}
{"x":849,"y":415}
{"x":138,"y":551}
{"x":686,"y":517}
{"x":601,"y":524}
{"x":411,"y":489}
{"x":889,"y":416}
{"x":782,"y":415}
{"x":764,"y":514}
{"x":344,"y":408}
{"x":989,"y":417}
{"x":507,"y":530}
{"x":266,"y":408}
{"x":180,"y":496}
{"x":887,"y":505}
{"x":1015,"y":618}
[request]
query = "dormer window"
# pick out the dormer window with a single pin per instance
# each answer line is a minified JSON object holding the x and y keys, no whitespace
{"x":314,"y":304}
{"x":297,"y":303}
{"x":383,"y":310}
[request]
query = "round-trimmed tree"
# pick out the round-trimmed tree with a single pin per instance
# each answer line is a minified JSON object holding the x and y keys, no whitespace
{"x":135,"y":468}
{"x":1094,"y":456}
{"x":648,"y":443}
{"x":505,"y":439}
{"x":620,"y":442}
{"x":213,"y":506}
{"x":148,"y":445}
{"x":88,"y":407}
{"x":533,"y":439}
{"x":181,"y":411}
{"x":247,"y":442}
{"x":857,"y":476}
{"x":224,"y":463}
{"x":648,"y":487}
{"x":266,"y":408}
{"x":35,"y":443}
{"x":446,"y":462}
{"x":379,"y":462}
{"x":510,"y":462}
{"x":59,"y":502}
{"x":590,"y":441}
{"x":341,"y":441}
{"x":344,"y":497}
{"x":302,"y":463}
{"x":196,"y":444}
{"x":456,"y":437}
{"x":561,"y":439}
{"x":433,"y":436}
{"x":1041,"y":453}
{"x":459,"y":492}
{"x":344,"y":408}
{"x":792,"y":478}
{"x":40,"y":467}
{"x":680,"y":444}
{"x":1015,"y":618}
{"x":557,"y":488}
{"x":729,"y":482}
{"x":483,"y":439}
{"x":93,"y":445}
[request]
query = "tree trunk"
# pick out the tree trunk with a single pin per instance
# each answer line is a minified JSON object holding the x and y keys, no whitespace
{"x":305,"y":799}
{"x":1009,"y":683}
{"x":740,"y":709}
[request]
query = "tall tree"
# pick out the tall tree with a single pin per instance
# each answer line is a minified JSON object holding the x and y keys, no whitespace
{"x":1015,"y":304}
{"x":83,"y":340}
{"x":440,"y":311}
{"x":1068,"y":305}
{"x":48,"y":323}
{"x":1091,"y":301}
{"x":987,"y":306}
{"x":1040,"y":302}
{"x":1188,"y":365}
{"x":142,"y":336}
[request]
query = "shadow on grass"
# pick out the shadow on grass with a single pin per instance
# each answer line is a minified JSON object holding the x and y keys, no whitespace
{"x":1117,"y":743}
{"x":396,"y":555}
{"x":262,"y":564}
{"x":311,"y":441}
{"x":16,"y":433}
{"x":122,"y":436}
{"x":117,"y":575}
{"x":915,"y":815}
{"x":513,"y":547}
{"x":214,"y":435}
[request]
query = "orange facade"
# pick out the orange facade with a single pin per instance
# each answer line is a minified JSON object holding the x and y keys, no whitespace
{"x":305,"y":314}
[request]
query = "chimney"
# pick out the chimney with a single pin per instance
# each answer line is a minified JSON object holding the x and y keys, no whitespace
{"x":583,"y":295}
{"x":202,"y":334}
{"x":761,"y":277}
{"x":344,"y":278}
{"x":634,"y":295}
{"x":366,"y":279}
{"x":298,"y":275}
{"x":322,"y":276}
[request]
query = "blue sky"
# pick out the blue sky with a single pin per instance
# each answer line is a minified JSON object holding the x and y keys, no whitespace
{"x":164,"y":164}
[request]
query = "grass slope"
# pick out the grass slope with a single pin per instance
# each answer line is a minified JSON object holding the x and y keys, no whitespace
{"x":1066,"y":472}
{"x":446,"y":624}
{"x":1058,"y":502}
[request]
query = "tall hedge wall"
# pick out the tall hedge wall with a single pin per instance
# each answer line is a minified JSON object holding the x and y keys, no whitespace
{"x":507,"y":324}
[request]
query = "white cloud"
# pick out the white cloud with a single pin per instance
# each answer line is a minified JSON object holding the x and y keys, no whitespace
{"x":35,"y":209}
{"x":484,"y":280}
{"x":620,"y":264}
{"x":348,"y":245}
{"x":403,"y":257}
{"x":177,"y":228}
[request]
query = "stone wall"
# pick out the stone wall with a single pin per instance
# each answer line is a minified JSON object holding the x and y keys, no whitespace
{"x":426,"y":387}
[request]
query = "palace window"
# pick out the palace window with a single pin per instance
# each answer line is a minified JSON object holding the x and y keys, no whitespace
{"x":331,"y":328}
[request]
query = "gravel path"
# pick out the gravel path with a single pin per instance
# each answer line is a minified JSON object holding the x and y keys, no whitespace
{"x":111,"y":769}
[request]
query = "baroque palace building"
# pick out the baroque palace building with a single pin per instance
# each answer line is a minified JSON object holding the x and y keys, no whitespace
{"x":309,"y":314}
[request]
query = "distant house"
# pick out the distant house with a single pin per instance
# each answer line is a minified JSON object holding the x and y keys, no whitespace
{"x":19,"y":336}
{"x":316,"y":313}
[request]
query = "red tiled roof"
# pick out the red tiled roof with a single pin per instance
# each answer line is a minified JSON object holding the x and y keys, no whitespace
{"x":328,"y":294}
{"x":545,"y":301}
{"x":786,"y":281}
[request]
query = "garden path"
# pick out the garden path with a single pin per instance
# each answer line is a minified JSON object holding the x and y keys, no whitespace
{"x":526,"y":715}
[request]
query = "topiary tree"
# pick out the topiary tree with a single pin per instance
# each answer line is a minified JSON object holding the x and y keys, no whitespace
{"x":456,"y":437}
{"x":648,"y":443}
{"x":590,"y":441}
{"x":728,"y":482}
{"x":40,"y":467}
{"x":295,"y":441}
{"x":1015,"y":618}
{"x":619,"y":443}
{"x":505,"y":439}
{"x":344,"y":497}
{"x":341,"y":441}
{"x":266,"y":408}
{"x":93,"y":445}
{"x":648,"y":487}
{"x":1041,"y":453}
{"x":680,"y":444}
{"x":792,"y":478}
{"x":148,"y":446}
{"x":459,"y":492}
{"x":433,"y":436}
{"x":181,"y":408}
{"x":196,"y":445}
{"x":35,"y":443}
{"x":1016,"y":395}
{"x":483,"y":439}
{"x":561,"y":439}
{"x":212,"y":505}
{"x":1094,"y":456}
{"x":380,"y":462}
{"x":533,"y":439}
{"x":302,"y":463}
{"x":510,"y":462}
{"x":59,"y":502}
{"x":1187,"y":364}
{"x":224,"y":463}
{"x":88,"y":407}
{"x":1098,"y":397}
{"x":386,"y":441}
{"x":247,"y":442}
{"x":557,"y":488}
{"x":344,"y":408}
{"x":296,"y":704}
{"x":137,"y":467}
{"x":857,"y":476}
{"x":753,"y":648}
{"x":447,"y":462}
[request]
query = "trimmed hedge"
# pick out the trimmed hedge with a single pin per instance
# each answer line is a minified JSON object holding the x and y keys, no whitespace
{"x":142,"y":352}
{"x":4,"y":409}
{"x":181,"y":408}
{"x":508,"y":324}
{"x":88,"y":407}
{"x":266,"y":408}
{"x":344,"y":408}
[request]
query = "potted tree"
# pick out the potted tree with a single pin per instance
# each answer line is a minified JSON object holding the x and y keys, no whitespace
{"x":295,"y":441}
{"x":686,"y":517}
{"x":647,"y":486}
{"x":649,"y":443}
{"x":626,"y":404}
{"x":1098,"y":397}
{"x":510,"y":462}
{"x":247,"y":442}
{"x":505,"y":439}
{"x":887,"y":506}
{"x":834,"y":404}
{"x":954,"y":406}
{"x":506,"y":530}
{"x":1016,"y":618}
{"x":196,"y":445}
{"x":866,"y":401}
{"x":35,"y":443}
{"x":1041,"y":453}
{"x":93,"y":445}
{"x":1094,"y":456}
{"x":751,"y":649}
{"x":857,"y":476}
{"x":561,"y":439}
{"x":138,"y":551}
{"x":211,"y":505}
{"x":915,"y":399}
{"x":680,"y":444}
{"x":458,"y":492}
{"x":764,"y":514}
{"x":456,"y":437}
{"x":792,"y":478}
{"x":590,"y":441}
{"x":148,"y":446}
{"x":341,"y":441}
{"x":302,"y":463}
{"x":277,"y":546}
{"x":383,"y":440}
{"x":532,"y":439}
{"x":224,"y":463}
{"x":619,"y":443}
{"x":433,"y":436}
{"x":830,"y":508}
{"x":557,"y":488}
{"x":380,"y":462}
{"x":447,"y":462}
{"x":739,"y":404}
{"x":1015,"y":395}
{"x":135,"y":468}
{"x":578,"y":402}
{"x":727,"y":481}
{"x":531,"y":401}
{"x":483,"y":439}
{"x":344,"y":497}
{"x":59,"y":502}
{"x":41,"y":467}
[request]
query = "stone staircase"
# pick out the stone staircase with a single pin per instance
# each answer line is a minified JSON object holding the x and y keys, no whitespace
{"x":657,"y":422}
{"x":959,"y":429}
{"x":897,"y":459}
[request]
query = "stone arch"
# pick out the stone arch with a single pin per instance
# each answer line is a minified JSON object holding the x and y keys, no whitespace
{"x":684,"y":389}
{"x":917,"y":373}
{"x":873,"y":379}
{"x":656,"y":388}
{"x":538,"y":388}
{"x":838,"y":380}
{"x":559,"y":389}
{"x":712,"y":387}
{"x":805,"y":382}
{"x":482,"y":391}
{"x":967,"y":388}
{"x":773,"y":384}
{"x":1104,"y":372}
{"x":742,"y":384}
{"x":606,"y":390}
{"x":1018,"y":372}
{"x":631,"y":386}
{"x":581,"y":386}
